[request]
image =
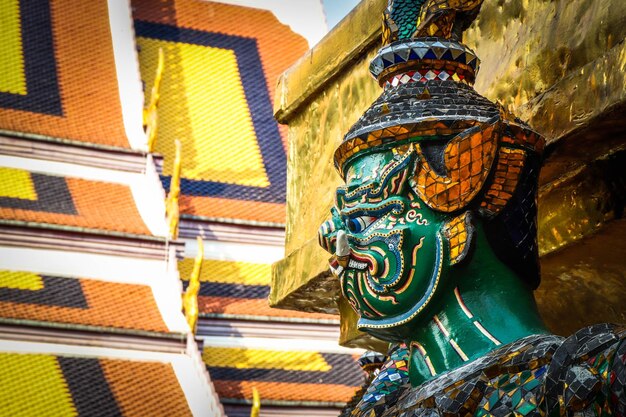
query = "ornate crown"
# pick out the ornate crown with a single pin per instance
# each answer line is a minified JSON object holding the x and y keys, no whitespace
{"x":427,"y":75}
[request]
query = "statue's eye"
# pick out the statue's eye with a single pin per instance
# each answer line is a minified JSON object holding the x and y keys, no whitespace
{"x":359,"y":224}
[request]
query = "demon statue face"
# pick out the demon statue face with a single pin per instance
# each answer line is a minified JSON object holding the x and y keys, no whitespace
{"x":407,"y":216}
{"x":388,"y":243}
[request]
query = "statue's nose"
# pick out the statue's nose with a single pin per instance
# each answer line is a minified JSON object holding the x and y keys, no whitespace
{"x":327,"y":236}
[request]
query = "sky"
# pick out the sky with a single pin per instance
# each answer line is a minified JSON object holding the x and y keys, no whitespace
{"x":305,"y":17}
{"x":337,"y":9}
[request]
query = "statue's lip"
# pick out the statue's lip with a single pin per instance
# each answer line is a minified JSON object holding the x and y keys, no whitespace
{"x":359,"y":262}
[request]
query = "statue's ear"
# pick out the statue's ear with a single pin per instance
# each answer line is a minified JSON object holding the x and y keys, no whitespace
{"x":459,"y":232}
{"x":506,"y":176}
{"x":468,"y":158}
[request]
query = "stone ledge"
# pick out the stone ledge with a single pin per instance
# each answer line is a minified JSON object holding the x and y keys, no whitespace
{"x":302,"y":281}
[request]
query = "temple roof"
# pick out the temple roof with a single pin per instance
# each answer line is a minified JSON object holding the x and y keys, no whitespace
{"x":234,"y":289}
{"x":68,"y":384}
{"x":66,"y":201}
{"x":283,"y":376}
{"x":79,"y":303}
{"x":60,"y":77}
{"x":216,"y":98}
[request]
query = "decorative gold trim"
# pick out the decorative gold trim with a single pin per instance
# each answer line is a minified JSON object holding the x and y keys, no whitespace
{"x":190,"y":297}
{"x":172,"y":209}
{"x":150,"y":113}
{"x":424,"y":354}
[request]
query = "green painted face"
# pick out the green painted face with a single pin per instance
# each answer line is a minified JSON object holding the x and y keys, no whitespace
{"x":390,"y":255}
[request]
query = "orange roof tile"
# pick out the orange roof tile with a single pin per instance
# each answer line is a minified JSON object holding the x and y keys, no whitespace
{"x":224,"y":208}
{"x":279,"y":47}
{"x":281,"y":391}
{"x":71,"y":301}
{"x":231,"y":288}
{"x":283,"y":375}
{"x":45,"y":384}
{"x":64,"y":82}
{"x":143,"y":389}
{"x":50,"y":199}
{"x":234,"y":164}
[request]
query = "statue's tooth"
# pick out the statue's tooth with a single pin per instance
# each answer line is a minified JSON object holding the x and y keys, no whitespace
{"x":357,"y":265}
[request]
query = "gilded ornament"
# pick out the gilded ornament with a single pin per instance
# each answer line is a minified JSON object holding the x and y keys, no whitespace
{"x":190,"y":297}
{"x":172,"y":208}
{"x":150,"y":113}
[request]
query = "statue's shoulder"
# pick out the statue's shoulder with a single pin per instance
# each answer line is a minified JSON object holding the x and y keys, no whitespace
{"x":543,"y":372}
{"x":588,"y":370}
{"x":509,"y":379}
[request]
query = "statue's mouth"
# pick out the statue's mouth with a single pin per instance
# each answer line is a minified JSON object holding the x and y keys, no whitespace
{"x":338,"y":264}
{"x":356,"y":263}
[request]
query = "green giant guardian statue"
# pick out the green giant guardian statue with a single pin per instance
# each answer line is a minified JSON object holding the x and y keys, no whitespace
{"x":434,"y":241}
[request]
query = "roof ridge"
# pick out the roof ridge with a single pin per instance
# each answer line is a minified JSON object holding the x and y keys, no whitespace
{"x":31,"y":331}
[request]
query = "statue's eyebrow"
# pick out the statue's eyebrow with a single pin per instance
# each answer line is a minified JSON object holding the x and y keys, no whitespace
{"x":365,"y":185}
{"x":378,"y":187}
{"x":347,"y":196}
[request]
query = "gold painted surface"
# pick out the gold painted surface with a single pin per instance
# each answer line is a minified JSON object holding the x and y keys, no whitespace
{"x":150,"y":112}
{"x":585,"y":283}
{"x":314,"y":134}
{"x":528,"y":46}
{"x":349,"y":336}
{"x":347,"y":42}
{"x":256,"y":403}
{"x":575,"y":100}
{"x":580,"y":202}
{"x":302,"y":281}
{"x":317,"y":127}
{"x":559,"y":64}
{"x":605,"y":135}
{"x":190,"y":296}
